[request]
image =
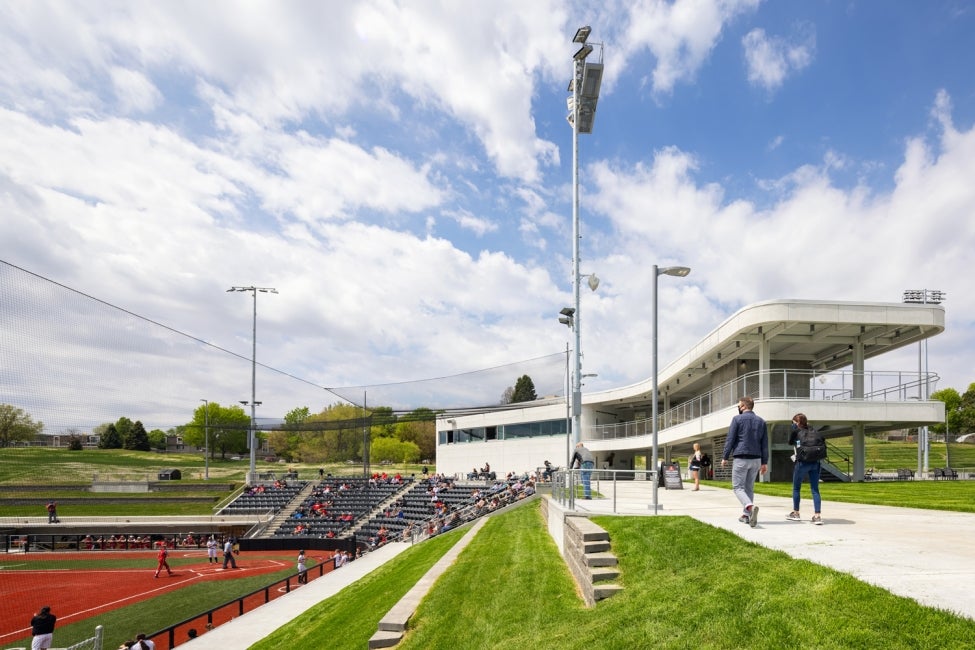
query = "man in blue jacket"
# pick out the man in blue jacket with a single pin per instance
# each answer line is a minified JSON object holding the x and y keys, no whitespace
{"x":747,"y":445}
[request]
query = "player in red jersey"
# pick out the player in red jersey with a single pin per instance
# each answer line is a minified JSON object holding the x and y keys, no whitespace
{"x":163,"y":564}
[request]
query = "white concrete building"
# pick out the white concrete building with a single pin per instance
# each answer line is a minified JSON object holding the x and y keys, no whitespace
{"x":790,"y":355}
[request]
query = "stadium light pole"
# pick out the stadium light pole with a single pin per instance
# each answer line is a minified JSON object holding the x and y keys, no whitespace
{"x":251,"y":442}
{"x":584,"y":86}
{"x":206,"y":440}
{"x":924,"y":297}
{"x":680,"y":272}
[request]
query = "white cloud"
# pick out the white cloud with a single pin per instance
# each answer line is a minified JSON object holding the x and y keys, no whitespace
{"x":771,"y":59}
{"x":680,"y":34}
{"x":135,"y":92}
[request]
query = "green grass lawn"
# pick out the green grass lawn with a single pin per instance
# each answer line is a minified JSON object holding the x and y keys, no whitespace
{"x":686,"y":585}
{"x":958,"y":496}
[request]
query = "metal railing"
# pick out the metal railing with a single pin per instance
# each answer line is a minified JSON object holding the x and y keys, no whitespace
{"x":779,"y":384}
{"x":567,"y":484}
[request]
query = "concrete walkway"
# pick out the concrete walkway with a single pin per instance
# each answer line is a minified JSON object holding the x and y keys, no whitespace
{"x":925,"y":555}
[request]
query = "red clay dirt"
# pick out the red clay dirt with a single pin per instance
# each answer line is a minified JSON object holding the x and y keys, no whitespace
{"x":75,"y":595}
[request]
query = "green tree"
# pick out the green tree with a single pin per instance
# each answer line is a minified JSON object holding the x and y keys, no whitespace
{"x":110,"y":438}
{"x":419,"y":427}
{"x":335,"y":434}
{"x":284,"y":442}
{"x":17,"y":426}
{"x":966,"y":420}
{"x":157,"y":439}
{"x":228,"y":427}
{"x":953,"y":415}
{"x":524,"y":390}
{"x":138,"y":438}
{"x":383,"y":422}
{"x":393,"y":450}
{"x":124,"y":427}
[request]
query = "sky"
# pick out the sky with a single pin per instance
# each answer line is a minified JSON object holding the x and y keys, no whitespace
{"x":401,"y":173}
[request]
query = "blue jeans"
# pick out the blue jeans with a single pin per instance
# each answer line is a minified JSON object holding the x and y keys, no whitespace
{"x":586,"y":476}
{"x":744,"y":472}
{"x":798,"y":474}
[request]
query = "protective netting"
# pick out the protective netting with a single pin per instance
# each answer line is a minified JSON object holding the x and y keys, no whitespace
{"x":74,"y":361}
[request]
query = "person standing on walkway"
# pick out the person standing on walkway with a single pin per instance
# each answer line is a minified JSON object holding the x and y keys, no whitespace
{"x":42,"y":629}
{"x":52,"y":512}
{"x":584,"y":460}
{"x":695,"y":466}
{"x":810,"y":450}
{"x":228,"y":554}
{"x":161,"y":558}
{"x":747,"y":446}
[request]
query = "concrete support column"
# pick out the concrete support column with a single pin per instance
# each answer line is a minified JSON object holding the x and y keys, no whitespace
{"x":859,"y":452}
{"x":764,"y":362}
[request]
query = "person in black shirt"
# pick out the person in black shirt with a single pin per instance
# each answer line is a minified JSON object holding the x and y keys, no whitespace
{"x":42,"y":629}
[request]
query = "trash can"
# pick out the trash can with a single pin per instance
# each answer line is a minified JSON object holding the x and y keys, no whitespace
{"x":170,"y":475}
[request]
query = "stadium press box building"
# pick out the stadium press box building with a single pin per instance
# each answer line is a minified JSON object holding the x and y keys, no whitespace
{"x":791,"y":356}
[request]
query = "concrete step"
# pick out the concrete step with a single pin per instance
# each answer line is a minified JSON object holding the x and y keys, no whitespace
{"x":600,"y":559}
{"x":601,"y":574}
{"x":596,"y":547}
{"x":384,"y":639}
{"x":602,"y":592}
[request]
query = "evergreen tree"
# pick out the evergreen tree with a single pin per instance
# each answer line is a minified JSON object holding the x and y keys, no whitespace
{"x":110,"y":439}
{"x":138,"y":438}
{"x":524,"y":390}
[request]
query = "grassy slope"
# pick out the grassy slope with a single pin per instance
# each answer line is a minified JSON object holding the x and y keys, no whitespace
{"x":686,"y":585}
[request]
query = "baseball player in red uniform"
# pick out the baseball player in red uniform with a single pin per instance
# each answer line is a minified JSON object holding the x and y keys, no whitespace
{"x":163,"y":564}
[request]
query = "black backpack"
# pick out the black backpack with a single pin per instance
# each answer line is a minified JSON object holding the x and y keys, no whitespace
{"x":812,"y":446}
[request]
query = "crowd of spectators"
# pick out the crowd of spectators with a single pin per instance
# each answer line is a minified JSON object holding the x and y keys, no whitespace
{"x":122,"y":542}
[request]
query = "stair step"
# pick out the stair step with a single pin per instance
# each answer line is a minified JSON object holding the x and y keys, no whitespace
{"x":602,"y":592}
{"x":601,"y":574}
{"x":383,"y":639}
{"x":600,"y":559}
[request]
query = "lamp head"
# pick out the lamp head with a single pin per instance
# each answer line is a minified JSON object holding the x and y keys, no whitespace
{"x":582,"y":34}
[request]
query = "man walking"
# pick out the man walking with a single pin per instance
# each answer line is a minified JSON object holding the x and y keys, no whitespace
{"x":747,"y":445}
{"x":584,"y":460}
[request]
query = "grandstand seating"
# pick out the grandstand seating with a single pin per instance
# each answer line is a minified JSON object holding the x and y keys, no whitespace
{"x":264,"y":498}
{"x":345,"y":502}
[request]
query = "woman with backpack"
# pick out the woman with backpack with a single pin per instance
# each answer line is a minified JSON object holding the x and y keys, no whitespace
{"x":810,"y":448}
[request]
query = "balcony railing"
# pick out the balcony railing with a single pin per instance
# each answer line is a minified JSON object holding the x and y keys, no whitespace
{"x":780,"y":384}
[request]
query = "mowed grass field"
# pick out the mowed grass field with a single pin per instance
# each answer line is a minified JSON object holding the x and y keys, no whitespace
{"x":511,"y":587}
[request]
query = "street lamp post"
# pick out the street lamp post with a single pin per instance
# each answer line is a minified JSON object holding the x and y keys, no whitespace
{"x":251,"y":443}
{"x":584,"y":86}
{"x":680,"y":272}
{"x":206,"y":440}
{"x":923,"y":297}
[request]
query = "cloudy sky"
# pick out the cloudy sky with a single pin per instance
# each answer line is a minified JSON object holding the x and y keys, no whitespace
{"x":400,"y":171}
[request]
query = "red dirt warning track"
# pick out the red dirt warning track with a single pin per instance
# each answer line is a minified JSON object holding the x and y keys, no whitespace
{"x":31,"y":581}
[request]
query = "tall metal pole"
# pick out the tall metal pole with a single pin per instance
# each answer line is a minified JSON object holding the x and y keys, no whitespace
{"x":655,"y":456}
{"x":251,"y":434}
{"x":252,"y":474}
{"x":577,"y":69}
{"x":680,"y":272}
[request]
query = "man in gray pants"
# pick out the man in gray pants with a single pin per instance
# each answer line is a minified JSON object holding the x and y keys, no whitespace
{"x":584,"y":460}
{"x":747,"y":444}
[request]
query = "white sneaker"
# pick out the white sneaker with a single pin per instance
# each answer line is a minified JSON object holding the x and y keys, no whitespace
{"x":793,"y":516}
{"x":817,"y":520}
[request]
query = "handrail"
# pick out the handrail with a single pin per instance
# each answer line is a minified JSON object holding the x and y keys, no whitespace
{"x":778,"y":384}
